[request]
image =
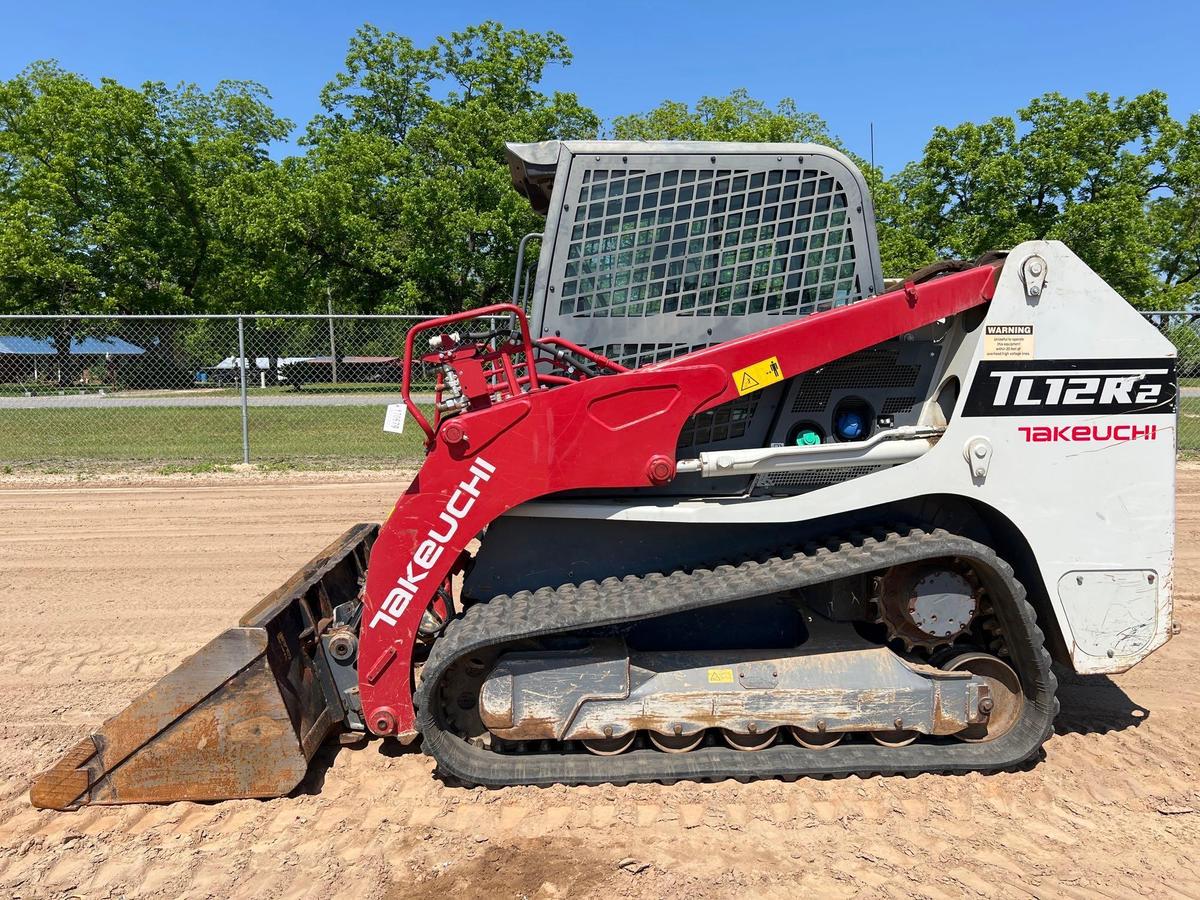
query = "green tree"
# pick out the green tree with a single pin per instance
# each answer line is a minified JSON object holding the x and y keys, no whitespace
{"x":108,"y":194}
{"x":46,"y":196}
{"x":109,"y":201}
{"x":1105,"y":176}
{"x":1175,"y":225}
{"x":734,"y":117}
{"x":405,"y":199}
{"x":740,"y":117}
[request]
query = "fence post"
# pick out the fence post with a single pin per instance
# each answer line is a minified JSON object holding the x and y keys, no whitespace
{"x":332,"y":348}
{"x":242,"y":380}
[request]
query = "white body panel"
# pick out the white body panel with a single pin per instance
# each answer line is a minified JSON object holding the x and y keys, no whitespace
{"x":1099,"y":514}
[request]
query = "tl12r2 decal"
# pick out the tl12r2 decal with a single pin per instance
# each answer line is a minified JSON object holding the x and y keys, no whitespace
{"x":1076,"y":387}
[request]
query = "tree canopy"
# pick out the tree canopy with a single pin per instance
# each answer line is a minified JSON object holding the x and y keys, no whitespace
{"x":735,"y":117}
{"x":402,"y":201}
{"x":156,"y":199}
{"x":1114,"y":179}
{"x":111,"y":198}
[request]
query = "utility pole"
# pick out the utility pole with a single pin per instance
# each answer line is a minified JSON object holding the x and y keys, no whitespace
{"x":872,"y":145}
{"x":332,"y":347}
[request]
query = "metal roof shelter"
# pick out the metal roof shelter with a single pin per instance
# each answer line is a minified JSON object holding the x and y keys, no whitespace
{"x":18,"y":345}
{"x":24,"y":358}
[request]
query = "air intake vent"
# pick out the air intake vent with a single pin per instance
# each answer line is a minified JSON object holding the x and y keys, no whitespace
{"x":813,"y":478}
{"x":894,"y":405}
{"x":870,"y":369}
{"x":725,"y":422}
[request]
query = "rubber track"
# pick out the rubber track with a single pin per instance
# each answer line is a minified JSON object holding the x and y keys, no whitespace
{"x":588,"y":605}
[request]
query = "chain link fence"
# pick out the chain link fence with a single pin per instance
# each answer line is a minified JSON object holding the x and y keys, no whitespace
{"x":182,"y":392}
{"x":1183,"y":330}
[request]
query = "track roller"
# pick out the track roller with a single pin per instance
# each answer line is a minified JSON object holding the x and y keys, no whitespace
{"x":750,"y":741}
{"x":897,"y":738}
{"x":676,"y":743}
{"x":816,"y":740}
{"x":610,"y":746}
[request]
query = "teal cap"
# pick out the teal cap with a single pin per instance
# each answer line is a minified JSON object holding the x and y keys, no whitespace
{"x":807,"y":437}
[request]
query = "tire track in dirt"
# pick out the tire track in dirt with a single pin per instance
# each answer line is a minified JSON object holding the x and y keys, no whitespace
{"x":157,"y":573}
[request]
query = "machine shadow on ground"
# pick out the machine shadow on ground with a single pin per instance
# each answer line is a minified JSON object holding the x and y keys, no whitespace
{"x":1090,"y":704}
{"x":1095,"y":704}
{"x":324,"y":759}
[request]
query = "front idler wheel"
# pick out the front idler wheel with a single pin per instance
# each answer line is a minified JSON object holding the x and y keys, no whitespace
{"x":1005,"y":703}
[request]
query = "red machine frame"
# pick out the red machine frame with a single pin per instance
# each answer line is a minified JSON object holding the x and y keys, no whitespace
{"x":524,"y":434}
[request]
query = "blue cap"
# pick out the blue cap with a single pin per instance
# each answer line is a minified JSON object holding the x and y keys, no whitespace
{"x":850,"y":424}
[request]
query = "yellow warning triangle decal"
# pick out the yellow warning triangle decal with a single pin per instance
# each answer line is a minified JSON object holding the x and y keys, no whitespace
{"x":757,"y":376}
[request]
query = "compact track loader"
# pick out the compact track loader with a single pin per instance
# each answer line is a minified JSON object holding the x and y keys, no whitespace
{"x":741,"y":511}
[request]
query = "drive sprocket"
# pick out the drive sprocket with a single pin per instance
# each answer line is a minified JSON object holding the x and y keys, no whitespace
{"x":928,"y":604}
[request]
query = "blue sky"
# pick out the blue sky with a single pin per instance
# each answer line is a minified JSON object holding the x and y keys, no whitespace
{"x":904,"y":66}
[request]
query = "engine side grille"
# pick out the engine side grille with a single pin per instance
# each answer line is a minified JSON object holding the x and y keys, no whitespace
{"x":874,"y":368}
{"x":725,"y":422}
{"x":898,"y":405}
{"x":813,"y":478}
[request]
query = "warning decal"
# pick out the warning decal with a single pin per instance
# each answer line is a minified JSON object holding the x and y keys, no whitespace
{"x":1008,"y":342}
{"x":720,"y":676}
{"x":758,"y":376}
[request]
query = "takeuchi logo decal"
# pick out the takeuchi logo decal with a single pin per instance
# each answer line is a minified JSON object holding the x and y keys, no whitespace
{"x":430,"y":550}
{"x":1082,"y":434}
{"x":1072,"y":387}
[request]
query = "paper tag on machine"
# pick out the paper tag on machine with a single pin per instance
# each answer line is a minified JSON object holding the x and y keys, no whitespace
{"x":393,"y":420}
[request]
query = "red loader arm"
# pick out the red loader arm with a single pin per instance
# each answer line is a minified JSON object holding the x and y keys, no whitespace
{"x":550,"y":435}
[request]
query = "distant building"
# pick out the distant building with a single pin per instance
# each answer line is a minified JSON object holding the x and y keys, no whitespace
{"x":358,"y":369}
{"x":300,"y":370}
{"x":226,"y":372}
{"x":26,"y":359}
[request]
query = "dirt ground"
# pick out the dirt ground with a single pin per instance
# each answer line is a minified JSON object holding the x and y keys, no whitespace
{"x":107,"y":587}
